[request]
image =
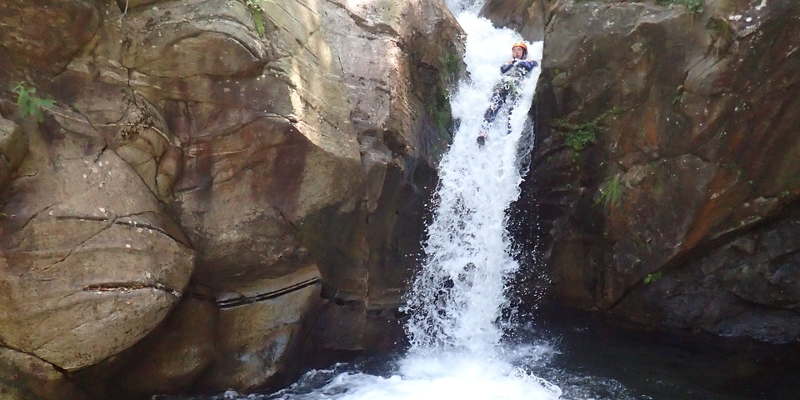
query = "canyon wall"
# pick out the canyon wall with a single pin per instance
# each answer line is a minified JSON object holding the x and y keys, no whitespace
{"x":666,"y":173}
{"x":203,"y":195}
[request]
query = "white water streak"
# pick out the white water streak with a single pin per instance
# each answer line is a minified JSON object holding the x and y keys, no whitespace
{"x":457,"y":299}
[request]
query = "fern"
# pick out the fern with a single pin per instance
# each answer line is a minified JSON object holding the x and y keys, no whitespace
{"x":610,"y":192}
{"x":579,"y":136}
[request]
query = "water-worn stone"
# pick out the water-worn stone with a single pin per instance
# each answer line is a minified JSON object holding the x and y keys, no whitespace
{"x":177,"y":353}
{"x":67,"y":217}
{"x":257,"y":332}
{"x":242,"y":143}
{"x":25,"y":377}
{"x":13,"y":148}
{"x":664,"y":135}
{"x":41,"y":36}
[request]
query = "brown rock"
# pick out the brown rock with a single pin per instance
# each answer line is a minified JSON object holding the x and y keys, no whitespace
{"x":41,"y":36}
{"x":258,"y":332}
{"x":69,"y":216}
{"x":25,"y":377}
{"x":693,"y":118}
{"x":528,"y":17}
{"x":171,"y":358}
{"x":286,"y":139}
{"x":13,"y":147}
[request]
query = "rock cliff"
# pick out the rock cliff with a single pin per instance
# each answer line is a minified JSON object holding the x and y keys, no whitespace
{"x":667,"y":164}
{"x":214,"y":189}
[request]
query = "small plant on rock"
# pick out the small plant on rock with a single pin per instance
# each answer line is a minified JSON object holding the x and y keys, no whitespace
{"x":610,"y":192}
{"x":30,"y":106}
{"x":694,"y":6}
{"x":580,"y":136}
{"x":257,"y":12}
{"x":653,"y":277}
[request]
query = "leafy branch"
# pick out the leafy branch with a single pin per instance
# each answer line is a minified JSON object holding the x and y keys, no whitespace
{"x":30,"y":105}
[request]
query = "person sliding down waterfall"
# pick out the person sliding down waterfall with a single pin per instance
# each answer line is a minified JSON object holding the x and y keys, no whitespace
{"x":508,"y":90}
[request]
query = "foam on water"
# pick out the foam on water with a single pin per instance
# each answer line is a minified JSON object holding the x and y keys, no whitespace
{"x":443,"y":376}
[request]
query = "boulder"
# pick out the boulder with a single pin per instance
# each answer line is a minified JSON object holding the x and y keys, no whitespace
{"x":259,"y":332}
{"x":26,"y":377}
{"x":664,"y":134}
{"x":69,"y":215}
{"x":177,"y":353}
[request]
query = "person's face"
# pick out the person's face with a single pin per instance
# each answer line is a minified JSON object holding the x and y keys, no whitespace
{"x":517,"y":52}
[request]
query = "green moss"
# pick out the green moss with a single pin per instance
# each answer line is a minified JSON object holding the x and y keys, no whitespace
{"x":440,"y":112}
{"x":439,"y":105}
{"x":30,"y":106}
{"x":694,"y":6}
{"x":450,"y":66}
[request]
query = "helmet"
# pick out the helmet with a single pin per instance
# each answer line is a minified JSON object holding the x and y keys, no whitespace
{"x":523,"y":46}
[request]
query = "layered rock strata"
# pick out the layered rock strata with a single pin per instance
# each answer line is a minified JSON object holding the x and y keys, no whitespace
{"x":216,"y":186}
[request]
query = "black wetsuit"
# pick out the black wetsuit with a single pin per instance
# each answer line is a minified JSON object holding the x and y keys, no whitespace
{"x":508,"y":89}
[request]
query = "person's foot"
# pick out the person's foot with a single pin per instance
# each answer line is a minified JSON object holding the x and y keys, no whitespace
{"x":481,"y":139}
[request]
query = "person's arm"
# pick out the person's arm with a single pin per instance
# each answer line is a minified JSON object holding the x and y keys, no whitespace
{"x":529,"y":64}
{"x":507,"y":66}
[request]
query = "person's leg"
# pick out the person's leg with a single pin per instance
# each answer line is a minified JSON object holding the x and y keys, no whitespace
{"x":513,"y":101}
{"x":498,"y":99}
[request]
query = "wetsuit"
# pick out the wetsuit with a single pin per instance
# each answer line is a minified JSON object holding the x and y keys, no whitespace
{"x":508,"y":89}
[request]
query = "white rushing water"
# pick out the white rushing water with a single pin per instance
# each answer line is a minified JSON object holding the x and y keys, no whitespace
{"x":456,"y":302}
{"x":458,"y":296}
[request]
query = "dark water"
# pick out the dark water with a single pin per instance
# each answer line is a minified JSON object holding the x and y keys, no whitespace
{"x":592,"y":358}
{"x":599,"y":359}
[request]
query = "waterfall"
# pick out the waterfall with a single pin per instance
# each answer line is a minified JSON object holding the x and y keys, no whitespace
{"x":457,"y":299}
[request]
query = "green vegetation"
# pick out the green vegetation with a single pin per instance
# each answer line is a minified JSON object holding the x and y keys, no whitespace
{"x":678,"y":97}
{"x":610,"y":192}
{"x":439,"y":110}
{"x":580,"y":136}
{"x":653,"y":277}
{"x":30,"y":106}
{"x":257,"y":12}
{"x":451,"y":66}
{"x":439,"y":107}
{"x":695,"y":6}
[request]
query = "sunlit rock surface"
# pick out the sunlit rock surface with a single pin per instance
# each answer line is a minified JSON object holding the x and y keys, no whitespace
{"x":275,"y":154}
{"x":667,"y":169}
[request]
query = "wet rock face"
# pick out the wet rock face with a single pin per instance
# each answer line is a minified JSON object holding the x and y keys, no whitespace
{"x":665,"y":138}
{"x":277,"y":155}
{"x":528,"y":17}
